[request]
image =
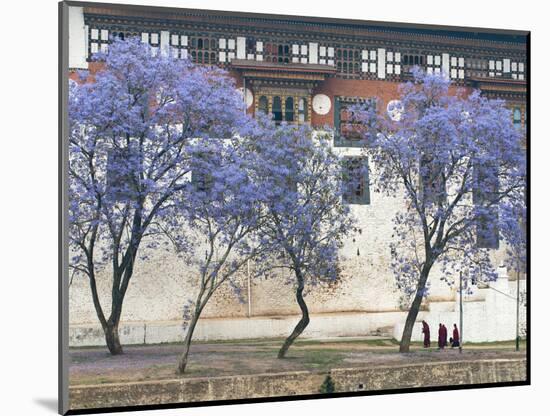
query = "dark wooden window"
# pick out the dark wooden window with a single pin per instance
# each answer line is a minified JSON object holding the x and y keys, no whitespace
{"x":276,"y":109}
{"x":201,"y":179}
{"x":517,"y":117}
{"x":485,"y":194}
{"x":203,"y":49}
{"x":349,"y":128}
{"x":410,"y":60}
{"x":250,"y":46}
{"x":262,"y":104}
{"x":122,"y":180}
{"x":276,"y":52}
{"x":348,"y":131}
{"x":431,"y":180}
{"x":289,"y":109}
{"x":347,"y":61}
{"x":356,"y":180}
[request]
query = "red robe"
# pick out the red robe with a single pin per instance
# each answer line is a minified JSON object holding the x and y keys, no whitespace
{"x":442,"y":337}
{"x":426,"y":332}
{"x":456,"y":338}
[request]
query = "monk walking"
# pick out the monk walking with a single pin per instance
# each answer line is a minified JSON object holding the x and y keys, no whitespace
{"x":456,"y":337}
{"x":426,"y":332}
{"x":441,"y":338}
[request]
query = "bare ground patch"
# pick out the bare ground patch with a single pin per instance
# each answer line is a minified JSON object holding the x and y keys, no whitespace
{"x":157,"y":362}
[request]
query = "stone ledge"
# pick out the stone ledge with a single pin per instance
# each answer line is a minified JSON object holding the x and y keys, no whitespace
{"x":450,"y":373}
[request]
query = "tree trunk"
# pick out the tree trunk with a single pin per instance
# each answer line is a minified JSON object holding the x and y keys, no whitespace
{"x":302,"y":324}
{"x":413,"y":311}
{"x":112,"y":338}
{"x":182,"y":362}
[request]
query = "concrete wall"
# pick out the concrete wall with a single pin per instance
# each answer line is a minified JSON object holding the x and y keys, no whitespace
{"x":364,"y":301}
{"x":489,"y":314}
{"x":78,"y":38}
{"x":321,"y":326}
{"x":297,"y":383}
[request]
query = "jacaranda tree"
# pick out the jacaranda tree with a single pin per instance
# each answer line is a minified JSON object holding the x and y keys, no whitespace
{"x":130,"y":124}
{"x":222,"y":208}
{"x":301,"y":183}
{"x":460,"y":166}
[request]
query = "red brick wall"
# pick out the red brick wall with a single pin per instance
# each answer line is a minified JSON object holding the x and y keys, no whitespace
{"x":383,"y":90}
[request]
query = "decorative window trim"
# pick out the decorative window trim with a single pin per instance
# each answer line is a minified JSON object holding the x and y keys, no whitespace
{"x":341,"y":103}
{"x":350,"y":195}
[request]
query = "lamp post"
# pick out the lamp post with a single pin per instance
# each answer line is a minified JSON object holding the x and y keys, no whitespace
{"x":517,"y":311}
{"x":461,"y":336}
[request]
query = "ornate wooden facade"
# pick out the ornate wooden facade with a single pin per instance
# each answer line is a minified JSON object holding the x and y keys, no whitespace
{"x":283,"y":62}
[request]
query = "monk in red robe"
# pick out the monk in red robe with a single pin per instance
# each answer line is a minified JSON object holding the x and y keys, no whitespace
{"x":456,"y":337}
{"x":426,"y":332}
{"x":442,"y":335}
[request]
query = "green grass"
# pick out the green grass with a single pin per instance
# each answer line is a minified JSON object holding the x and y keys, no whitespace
{"x":379,"y":342}
{"x":276,"y":342}
{"x":477,"y":344}
{"x":522,"y":343}
{"x":320,"y":359}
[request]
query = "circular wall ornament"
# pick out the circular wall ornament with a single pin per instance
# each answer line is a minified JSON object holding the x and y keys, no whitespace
{"x":321,"y":104}
{"x":249,"y":96}
{"x":395,"y":109}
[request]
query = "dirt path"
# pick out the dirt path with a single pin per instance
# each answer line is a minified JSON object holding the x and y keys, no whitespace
{"x":138,"y":363}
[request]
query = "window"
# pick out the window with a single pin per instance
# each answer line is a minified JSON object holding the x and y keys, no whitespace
{"x":476,"y":67}
{"x":457,"y":67}
{"x":276,"y":52}
{"x":431,"y":184}
{"x":368,"y":61}
{"x":349,"y":128}
{"x":302,"y":110}
{"x":299,"y":54}
{"x":495,"y":68}
{"x":356,"y":181}
{"x":204,"y":50}
{"x":486,"y":210}
{"x":348,"y":132}
{"x":201,"y":179}
{"x":122,"y":179}
{"x":518,"y":70}
{"x":178,"y":45}
{"x":433,"y":64}
{"x":393,"y":63}
{"x":99,"y":39}
{"x":411,"y":60}
{"x":517,"y":117}
{"x":277,"y":109}
{"x":262,"y":104}
{"x":326,"y":55}
{"x":289,"y":109}
{"x":348,"y":60}
{"x":250,"y":46}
